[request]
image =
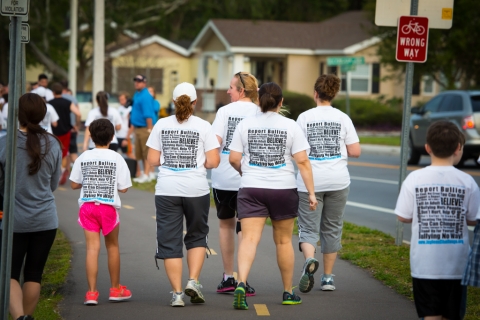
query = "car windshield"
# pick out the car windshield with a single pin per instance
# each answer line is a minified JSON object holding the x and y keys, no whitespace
{"x":475,"y":103}
{"x":84,"y":97}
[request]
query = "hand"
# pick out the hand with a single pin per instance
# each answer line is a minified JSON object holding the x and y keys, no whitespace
{"x":124,"y":143}
{"x":313,"y":202}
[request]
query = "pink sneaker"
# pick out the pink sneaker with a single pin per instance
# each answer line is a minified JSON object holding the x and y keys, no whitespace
{"x":120,"y":294}
{"x":91,"y":298}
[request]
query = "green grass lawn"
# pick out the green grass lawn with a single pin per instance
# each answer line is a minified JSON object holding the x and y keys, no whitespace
{"x":386,"y":141}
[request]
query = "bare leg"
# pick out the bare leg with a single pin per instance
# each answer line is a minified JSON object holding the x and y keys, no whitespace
{"x":328,"y":262}
{"x":308,"y":250}
{"x":146,"y":167}
{"x":93,"y":250}
{"x":227,"y":243}
{"x":16,"y":299}
{"x":282,"y":235}
{"x":173,"y":267}
{"x":434,"y":318}
{"x":31,"y":295}
{"x":113,"y":252}
{"x":195,"y":258}
{"x":252,"y":232}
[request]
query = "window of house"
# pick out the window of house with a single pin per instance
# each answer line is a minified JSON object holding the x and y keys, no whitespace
{"x":359,"y":80}
{"x":428,"y":85}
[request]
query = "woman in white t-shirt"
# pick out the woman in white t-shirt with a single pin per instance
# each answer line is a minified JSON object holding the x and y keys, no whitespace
{"x":332,"y":138}
{"x":106,"y":112}
{"x":123,"y":133}
{"x":184,"y":147}
{"x":268,"y":142}
{"x":243,"y":93}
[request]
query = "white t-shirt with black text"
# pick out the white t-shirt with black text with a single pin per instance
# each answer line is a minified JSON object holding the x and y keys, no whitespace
{"x":268,"y":141}
{"x":101,"y":172}
{"x":439,"y":200}
{"x":112,"y":115}
{"x":225,"y":177}
{"x":124,"y":114}
{"x":182,"y":146}
{"x":328,"y":131}
{"x":50,"y":117}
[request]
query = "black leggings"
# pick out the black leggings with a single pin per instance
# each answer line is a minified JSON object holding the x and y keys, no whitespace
{"x":36,"y":246}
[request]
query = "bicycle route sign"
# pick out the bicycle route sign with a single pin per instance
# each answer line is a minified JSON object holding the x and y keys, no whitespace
{"x":412,"y":39}
{"x":14,"y":7}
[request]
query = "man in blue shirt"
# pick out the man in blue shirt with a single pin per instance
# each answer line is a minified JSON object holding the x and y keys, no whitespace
{"x":141,"y":118}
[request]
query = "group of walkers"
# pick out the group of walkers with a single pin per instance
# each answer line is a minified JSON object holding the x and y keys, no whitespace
{"x":252,"y":150}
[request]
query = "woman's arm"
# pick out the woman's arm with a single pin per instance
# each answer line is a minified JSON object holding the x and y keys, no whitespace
{"x":212,"y":159}
{"x":86,"y":139}
{"x":354,"y":150}
{"x":118,"y":127}
{"x":236,"y":160}
{"x":153,"y":157}
{"x":305,"y":168}
{"x":75,"y":185}
{"x":402,"y":219}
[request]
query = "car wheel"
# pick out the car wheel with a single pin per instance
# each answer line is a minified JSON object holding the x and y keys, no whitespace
{"x":413,"y":154}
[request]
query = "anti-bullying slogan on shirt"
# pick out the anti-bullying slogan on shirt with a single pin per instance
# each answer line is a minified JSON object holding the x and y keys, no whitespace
{"x":267,"y":147}
{"x":441,"y":214}
{"x":232,"y":123}
{"x":180,"y":149}
{"x":324,"y":140}
{"x":99,"y":180}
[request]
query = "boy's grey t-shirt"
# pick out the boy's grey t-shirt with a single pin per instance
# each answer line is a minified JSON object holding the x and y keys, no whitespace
{"x":439,"y":200}
{"x":35,"y":208}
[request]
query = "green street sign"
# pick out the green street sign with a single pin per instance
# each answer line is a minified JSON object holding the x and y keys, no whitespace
{"x":348,"y":67}
{"x":341,"y":61}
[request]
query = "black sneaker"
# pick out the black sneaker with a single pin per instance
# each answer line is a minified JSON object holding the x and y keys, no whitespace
{"x":249,"y":291}
{"x":227,"y":286}
{"x":291,"y":298}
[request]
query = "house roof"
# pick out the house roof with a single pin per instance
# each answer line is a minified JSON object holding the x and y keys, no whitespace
{"x":344,"y":33}
{"x":135,"y":44}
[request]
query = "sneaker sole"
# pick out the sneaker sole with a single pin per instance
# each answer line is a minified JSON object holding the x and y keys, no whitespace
{"x":116,"y":299}
{"x":291,"y":302}
{"x":194,"y":296}
{"x":251,"y":294}
{"x":328,"y":288}
{"x":177,"y":304}
{"x":226,"y":290}
{"x":307,"y":281}
{"x":239,"y":301}
{"x":90,"y":303}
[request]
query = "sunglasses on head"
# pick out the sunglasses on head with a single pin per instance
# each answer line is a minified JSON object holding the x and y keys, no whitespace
{"x":239,"y":74}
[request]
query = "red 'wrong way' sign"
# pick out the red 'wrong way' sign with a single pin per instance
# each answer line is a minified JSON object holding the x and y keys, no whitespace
{"x":412,"y":39}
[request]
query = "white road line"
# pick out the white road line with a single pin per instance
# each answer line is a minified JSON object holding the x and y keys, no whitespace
{"x":374,"y":180}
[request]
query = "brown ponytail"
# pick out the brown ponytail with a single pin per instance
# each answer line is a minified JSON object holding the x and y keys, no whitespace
{"x":327,"y":87}
{"x":31,"y":111}
{"x":270,"y":96}
{"x":183,"y":108}
{"x":102,"y":100}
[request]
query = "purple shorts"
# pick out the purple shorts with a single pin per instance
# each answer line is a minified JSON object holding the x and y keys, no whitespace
{"x":95,"y":216}
{"x":278,"y":204}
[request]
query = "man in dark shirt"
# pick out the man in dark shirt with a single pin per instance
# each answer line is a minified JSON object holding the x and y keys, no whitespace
{"x":64,"y":108}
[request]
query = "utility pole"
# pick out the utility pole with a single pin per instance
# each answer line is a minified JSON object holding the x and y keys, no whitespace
{"x":98,"y":49}
{"x":72,"y":50}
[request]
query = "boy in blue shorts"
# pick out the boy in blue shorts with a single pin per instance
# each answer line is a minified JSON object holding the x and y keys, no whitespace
{"x":439,"y":201}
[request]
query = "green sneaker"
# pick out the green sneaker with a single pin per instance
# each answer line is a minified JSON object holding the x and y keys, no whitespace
{"x":240,"y":298}
{"x":193,"y":291}
{"x":291,"y":298}
{"x":306,"y":280}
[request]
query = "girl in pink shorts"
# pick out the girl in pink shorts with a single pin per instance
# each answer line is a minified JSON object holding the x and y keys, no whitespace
{"x":101,"y":173}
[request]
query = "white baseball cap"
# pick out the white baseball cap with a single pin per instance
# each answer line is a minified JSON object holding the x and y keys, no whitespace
{"x":185,"y":88}
{"x":41,"y":91}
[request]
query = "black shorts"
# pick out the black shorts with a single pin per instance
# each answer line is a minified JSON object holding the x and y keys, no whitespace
{"x":73,"y":148}
{"x":36,"y":247}
{"x":124,"y":149}
{"x":169,"y":213}
{"x":226,"y":203}
{"x":439,"y":297}
{"x":278,"y":204}
{"x":113,"y":146}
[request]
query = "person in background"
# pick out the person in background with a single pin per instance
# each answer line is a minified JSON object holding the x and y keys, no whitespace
{"x":64,"y":109}
{"x":73,"y":148}
{"x":439,"y":201}
{"x":38,"y":169}
{"x":183,"y":146}
{"x":4,"y":114}
{"x":141,"y":118}
{"x":43,"y":82}
{"x":33,"y":85}
{"x":156,"y":104}
{"x":51,"y":117}
{"x":243,"y":94}
{"x":332,"y":139}
{"x":261,"y":151}
{"x":99,"y":210}
{"x":124,"y":110}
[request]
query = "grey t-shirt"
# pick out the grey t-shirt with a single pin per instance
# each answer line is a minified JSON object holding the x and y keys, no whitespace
{"x":35,"y":208}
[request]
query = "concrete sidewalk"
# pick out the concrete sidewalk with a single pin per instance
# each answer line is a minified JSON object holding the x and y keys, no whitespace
{"x":358,"y":294}
{"x":379,"y":149}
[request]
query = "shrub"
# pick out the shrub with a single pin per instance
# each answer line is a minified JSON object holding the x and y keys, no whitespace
{"x":297,"y":103}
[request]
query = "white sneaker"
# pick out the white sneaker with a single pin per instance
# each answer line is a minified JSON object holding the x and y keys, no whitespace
{"x":152,"y":176}
{"x":177,"y":299}
{"x":193,"y":291}
{"x":142,"y":179}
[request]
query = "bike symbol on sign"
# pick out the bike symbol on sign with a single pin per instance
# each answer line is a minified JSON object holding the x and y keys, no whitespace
{"x":414,"y":27}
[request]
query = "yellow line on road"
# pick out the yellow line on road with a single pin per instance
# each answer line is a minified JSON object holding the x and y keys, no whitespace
{"x":396,"y":167}
{"x":261,"y":309}
{"x":235,"y":275}
{"x":62,"y":189}
{"x":153,"y":217}
{"x":126,"y":206}
{"x":212,"y":252}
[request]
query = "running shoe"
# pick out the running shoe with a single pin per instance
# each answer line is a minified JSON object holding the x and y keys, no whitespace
{"x":177,"y":299}
{"x":327,"y":282}
{"x":240,"y":298}
{"x":193,"y":291}
{"x":120,"y":294}
{"x":227,"y":286}
{"x":291,"y":298}
{"x":63,"y":177}
{"x":91,"y":298}
{"x":141,"y":179}
{"x":27,"y":317}
{"x":249,"y":290}
{"x":306,"y":280}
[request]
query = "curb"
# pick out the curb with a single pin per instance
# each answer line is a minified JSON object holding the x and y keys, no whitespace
{"x":380,"y":150}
